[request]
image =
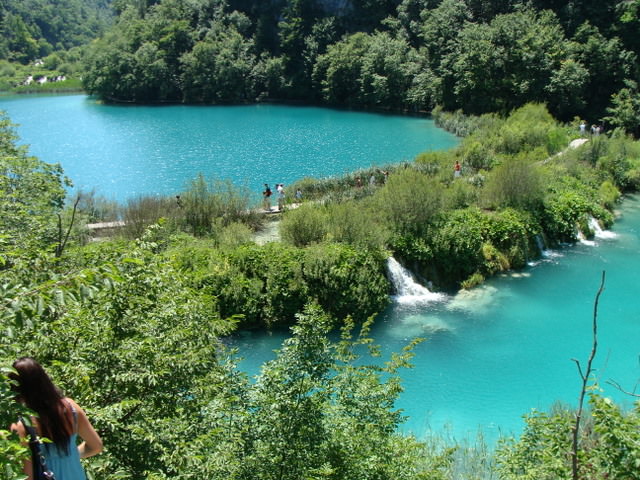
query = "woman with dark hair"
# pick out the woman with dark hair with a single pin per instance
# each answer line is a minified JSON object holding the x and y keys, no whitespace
{"x":59,"y":419}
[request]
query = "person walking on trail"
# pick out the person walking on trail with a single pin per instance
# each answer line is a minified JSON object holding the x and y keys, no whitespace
{"x":280,"y":188}
{"x":457,"y":168}
{"x":266,"y":198}
{"x":59,"y":419}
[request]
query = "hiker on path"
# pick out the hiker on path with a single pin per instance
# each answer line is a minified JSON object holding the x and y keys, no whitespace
{"x":457,"y":168}
{"x":266,"y":197}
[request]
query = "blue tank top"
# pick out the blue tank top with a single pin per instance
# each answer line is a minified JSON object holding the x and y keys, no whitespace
{"x":66,"y":466}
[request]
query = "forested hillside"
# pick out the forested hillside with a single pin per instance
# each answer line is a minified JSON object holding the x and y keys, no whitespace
{"x":32,"y":29}
{"x":580,"y":58}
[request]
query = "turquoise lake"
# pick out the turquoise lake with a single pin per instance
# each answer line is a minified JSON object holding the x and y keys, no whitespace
{"x":491,"y":354}
{"x":494,"y":353}
{"x":127,"y":151}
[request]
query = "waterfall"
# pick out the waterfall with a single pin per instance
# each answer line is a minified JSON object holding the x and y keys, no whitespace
{"x":594,"y":225}
{"x":583,"y":240}
{"x":545,"y":253}
{"x":598,"y":232}
{"x":540,"y":244}
{"x":408,"y":291}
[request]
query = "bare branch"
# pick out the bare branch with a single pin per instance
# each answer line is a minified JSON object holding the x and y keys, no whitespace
{"x":61,"y":243}
{"x":579,"y":368}
{"x":617,"y":385}
{"x":585,"y":380}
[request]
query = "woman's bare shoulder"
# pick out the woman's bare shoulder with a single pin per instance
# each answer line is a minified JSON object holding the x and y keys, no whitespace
{"x":73,"y":403}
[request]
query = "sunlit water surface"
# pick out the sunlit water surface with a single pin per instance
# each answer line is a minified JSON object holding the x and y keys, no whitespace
{"x":494,"y":353}
{"x":491,"y":355}
{"x":126,"y":151}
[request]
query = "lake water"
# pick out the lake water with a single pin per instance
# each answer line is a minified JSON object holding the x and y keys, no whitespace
{"x":494,"y":353}
{"x":491,"y":355}
{"x":126,"y":151}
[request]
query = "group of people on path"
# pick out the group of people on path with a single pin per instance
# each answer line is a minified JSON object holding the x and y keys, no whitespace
{"x":58,"y":418}
{"x":372,"y":179}
{"x":267,"y":193}
{"x":595,"y":129}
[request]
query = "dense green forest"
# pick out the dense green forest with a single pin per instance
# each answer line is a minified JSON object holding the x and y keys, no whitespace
{"x":32,"y":29}
{"x":42,"y":41}
{"x":133,"y":327}
{"x":580,"y":58}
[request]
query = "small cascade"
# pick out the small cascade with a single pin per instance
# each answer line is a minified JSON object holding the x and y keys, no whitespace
{"x":540,"y":244}
{"x":408,"y":291}
{"x":594,"y":225}
{"x":545,"y":253}
{"x":584,"y":241}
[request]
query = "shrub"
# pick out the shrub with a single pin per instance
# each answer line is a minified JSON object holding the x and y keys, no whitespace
{"x":513,"y":233}
{"x":515,"y":183}
{"x":304,"y":225}
{"x":473,"y":281}
{"x":457,"y":245}
{"x":494,"y":260}
{"x":233,"y":235}
{"x":346,"y":281}
{"x":142,"y":211}
{"x":608,"y":445}
{"x":409,"y":202}
{"x":204,"y":202}
{"x":562,"y":212}
{"x":477,"y":156}
{"x":609,"y":194}
{"x":460,"y":194}
{"x":277,"y":270}
{"x":433,"y":162}
{"x":356,"y":224}
{"x":97,"y":208}
{"x":456,"y":122}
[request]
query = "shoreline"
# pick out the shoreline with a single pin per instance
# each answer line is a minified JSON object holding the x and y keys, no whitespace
{"x":268,"y":101}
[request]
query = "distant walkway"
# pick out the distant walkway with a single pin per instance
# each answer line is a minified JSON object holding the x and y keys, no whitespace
{"x":103,"y":225}
{"x":578,"y":142}
{"x":274,"y":209}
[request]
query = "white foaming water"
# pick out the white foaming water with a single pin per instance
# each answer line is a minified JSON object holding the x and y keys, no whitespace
{"x":598,"y":231}
{"x":583,"y":240}
{"x":408,"y":291}
{"x":545,"y":253}
{"x":478,"y":299}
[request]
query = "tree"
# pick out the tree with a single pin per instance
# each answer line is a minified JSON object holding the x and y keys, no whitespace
{"x":367,"y":70}
{"x":507,"y":63}
{"x":624,"y":111}
{"x":608,"y":65}
{"x":218,"y":69}
{"x":296,"y":24}
{"x":336,"y":71}
{"x":567,"y":89}
{"x":32,"y":192}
